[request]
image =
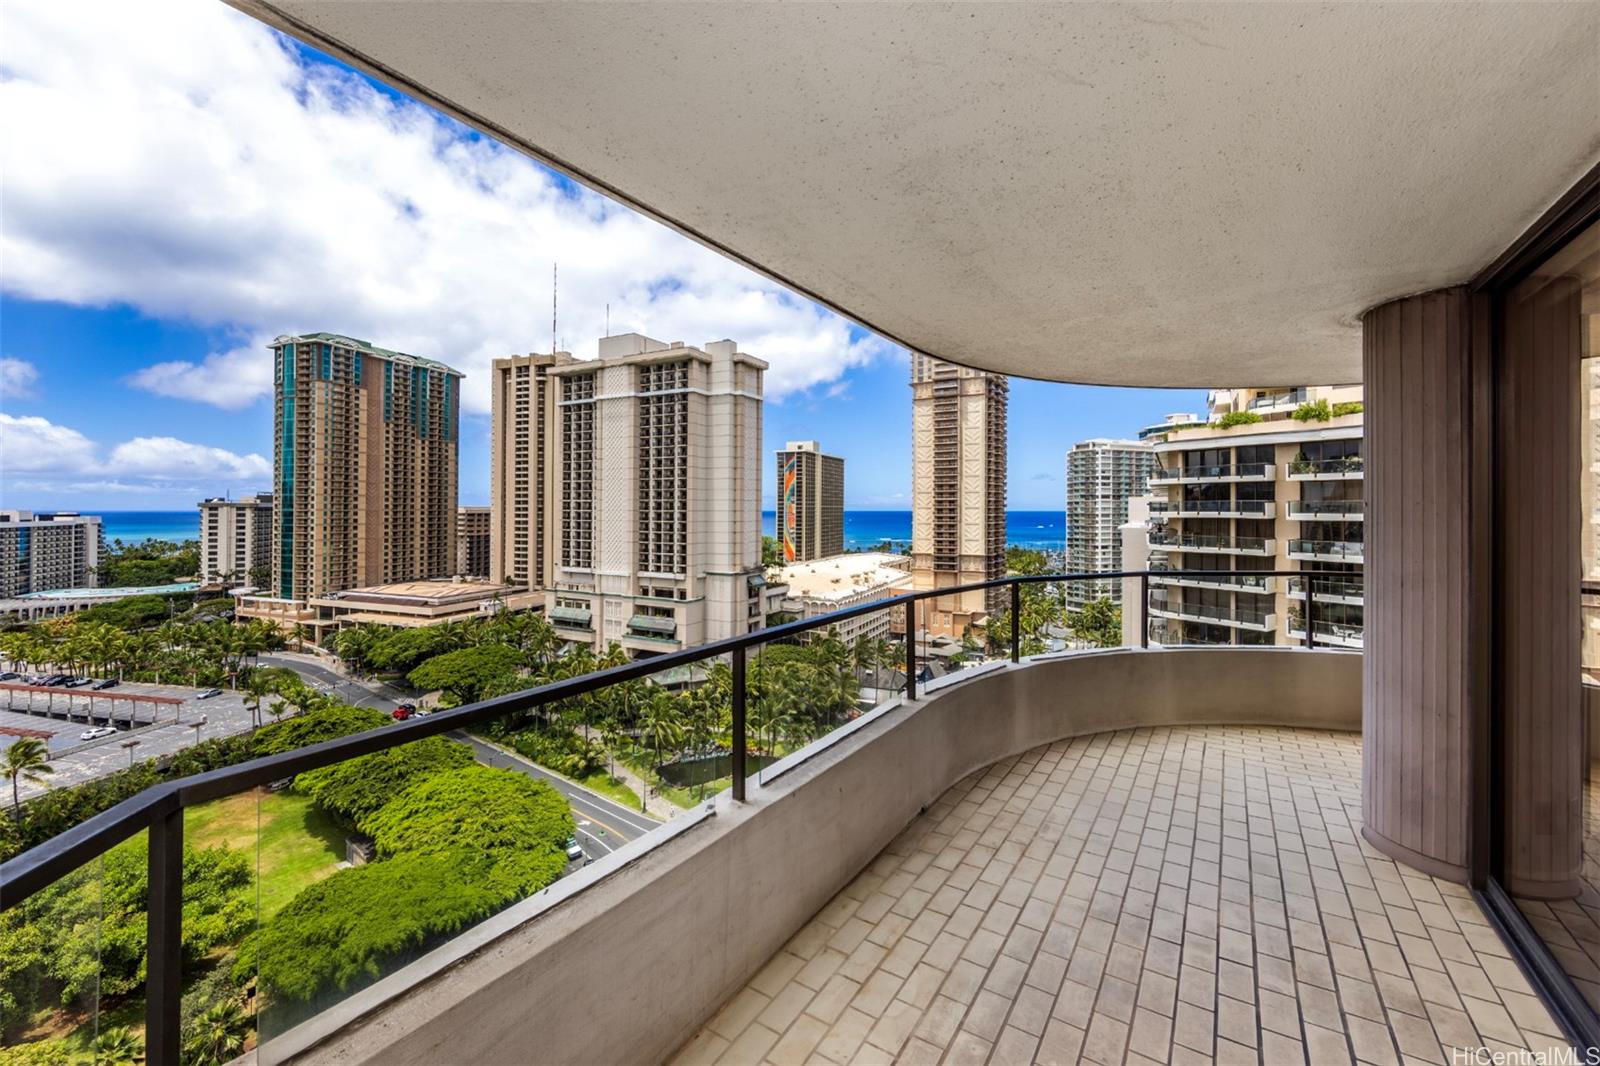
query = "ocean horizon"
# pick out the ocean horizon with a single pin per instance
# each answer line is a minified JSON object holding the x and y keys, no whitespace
{"x":862,"y":528}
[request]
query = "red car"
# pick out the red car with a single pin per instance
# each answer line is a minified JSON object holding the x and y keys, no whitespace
{"x":404,"y":711}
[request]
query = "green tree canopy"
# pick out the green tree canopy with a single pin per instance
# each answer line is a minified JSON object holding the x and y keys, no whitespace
{"x":466,"y":673}
{"x":357,"y":788}
{"x":475,"y":808}
{"x":317,"y":725}
{"x":405,"y":649}
{"x":1099,"y":622}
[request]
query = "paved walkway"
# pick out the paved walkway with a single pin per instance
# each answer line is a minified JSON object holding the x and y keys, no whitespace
{"x":1188,"y":895}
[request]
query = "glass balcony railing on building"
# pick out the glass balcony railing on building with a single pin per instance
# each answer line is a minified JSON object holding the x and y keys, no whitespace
{"x":1301,"y":468}
{"x":307,"y":878}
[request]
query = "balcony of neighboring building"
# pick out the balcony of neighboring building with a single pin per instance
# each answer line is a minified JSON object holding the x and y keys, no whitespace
{"x":1200,"y":474}
{"x":1161,"y":509}
{"x":1350,"y":591}
{"x":1329,"y":633}
{"x":1164,"y":574}
{"x":1239,"y":616}
{"x":1326,"y":510}
{"x":1327,"y":551}
{"x":1344,"y":468}
{"x":1172,"y":540}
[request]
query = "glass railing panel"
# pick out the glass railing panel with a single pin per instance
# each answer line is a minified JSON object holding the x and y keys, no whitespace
{"x":71,"y":964}
{"x":227,"y":876}
{"x":370,"y":863}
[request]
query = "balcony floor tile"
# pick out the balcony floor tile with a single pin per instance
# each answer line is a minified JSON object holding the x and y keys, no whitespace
{"x":1162,"y":895}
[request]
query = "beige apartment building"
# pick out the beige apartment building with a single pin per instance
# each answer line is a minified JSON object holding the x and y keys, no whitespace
{"x":657,"y":495}
{"x":1272,"y":492}
{"x":365,"y":466}
{"x":47,"y":550}
{"x":810,"y":511}
{"x":472,"y":541}
{"x":523,"y":445}
{"x":958,"y":479}
{"x":236,"y":540}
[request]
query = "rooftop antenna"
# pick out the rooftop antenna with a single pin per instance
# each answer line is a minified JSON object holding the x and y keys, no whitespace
{"x":554,"y":268}
{"x":608,"y":320}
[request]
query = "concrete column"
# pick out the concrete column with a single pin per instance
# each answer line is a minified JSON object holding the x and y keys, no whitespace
{"x":1416,"y":714}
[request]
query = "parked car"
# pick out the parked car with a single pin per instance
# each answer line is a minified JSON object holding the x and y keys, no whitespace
{"x":402,"y":712}
{"x":208,"y":693}
{"x":574,"y":852}
{"x":10,"y":675}
{"x":96,"y":733}
{"x":101,"y":686}
{"x":55,"y":681}
{"x":79,"y":682}
{"x":422,"y":712}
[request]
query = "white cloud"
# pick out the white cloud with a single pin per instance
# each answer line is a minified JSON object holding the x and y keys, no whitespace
{"x":232,"y":380}
{"x":30,"y":444}
{"x":34,"y":445}
{"x":168,"y":457}
{"x":17,"y":378}
{"x":182,"y":159}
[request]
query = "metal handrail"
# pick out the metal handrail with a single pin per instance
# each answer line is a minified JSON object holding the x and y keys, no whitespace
{"x":160,"y":808}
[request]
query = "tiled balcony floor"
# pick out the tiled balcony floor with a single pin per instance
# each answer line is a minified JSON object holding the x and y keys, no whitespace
{"x":1182,"y":895}
{"x":1571,"y":927}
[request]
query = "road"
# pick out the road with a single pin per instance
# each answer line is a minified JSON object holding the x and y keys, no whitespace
{"x":603,"y":826}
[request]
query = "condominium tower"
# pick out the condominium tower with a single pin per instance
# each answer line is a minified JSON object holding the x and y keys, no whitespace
{"x":472,"y":541}
{"x":810,"y":513}
{"x":364,"y":461}
{"x":1101,"y":476}
{"x":958,"y":472}
{"x":522,"y":470}
{"x":48,"y":550}
{"x":236,"y":539}
{"x":1273,"y":482}
{"x":658,"y":495}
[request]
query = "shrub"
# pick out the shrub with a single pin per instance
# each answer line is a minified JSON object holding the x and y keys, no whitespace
{"x":564,"y":752}
{"x":1313,"y":411}
{"x":1349,"y":407}
{"x":357,"y":788}
{"x":476,"y":808}
{"x":1237,"y":418}
{"x":37,"y":1053}
{"x":341,"y":930}
{"x":315,"y":726}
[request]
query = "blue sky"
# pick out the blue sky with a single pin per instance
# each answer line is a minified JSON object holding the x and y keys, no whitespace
{"x":244,"y":186}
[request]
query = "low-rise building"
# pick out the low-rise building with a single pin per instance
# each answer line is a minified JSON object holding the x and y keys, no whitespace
{"x":826,"y":585}
{"x":57,"y":603}
{"x":402,"y":604}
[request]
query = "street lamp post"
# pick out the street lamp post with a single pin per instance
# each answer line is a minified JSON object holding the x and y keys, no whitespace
{"x":130,"y":745}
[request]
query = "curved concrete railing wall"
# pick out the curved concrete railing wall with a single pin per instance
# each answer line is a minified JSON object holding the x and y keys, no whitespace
{"x":630,"y":967}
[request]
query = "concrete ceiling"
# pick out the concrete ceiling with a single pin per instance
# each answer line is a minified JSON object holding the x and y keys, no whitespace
{"x":1193,"y":194}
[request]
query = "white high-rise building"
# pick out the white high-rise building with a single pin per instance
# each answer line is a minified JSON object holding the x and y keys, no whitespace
{"x":48,"y":550}
{"x":236,"y":540}
{"x":1101,"y":475}
{"x":657,"y":486}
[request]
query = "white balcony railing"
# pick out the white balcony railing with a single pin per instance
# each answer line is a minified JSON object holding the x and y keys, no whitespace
{"x":1171,"y":540}
{"x":1213,"y":509}
{"x":1327,"y":510}
{"x":1233,"y":617}
{"x":1345,"y":467}
{"x":1197,"y":474}
{"x":1327,"y":551}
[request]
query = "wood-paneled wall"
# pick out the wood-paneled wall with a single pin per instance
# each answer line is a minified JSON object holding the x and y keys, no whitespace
{"x":1416,"y":716}
{"x":1540,"y":690}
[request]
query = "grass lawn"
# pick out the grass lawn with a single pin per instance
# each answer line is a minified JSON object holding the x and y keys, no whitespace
{"x":299,"y":843}
{"x":612,"y":788}
{"x":693,"y":795}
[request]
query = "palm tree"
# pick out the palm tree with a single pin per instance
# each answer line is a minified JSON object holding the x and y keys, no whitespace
{"x":27,"y":759}
{"x":256,"y":687}
{"x":660,"y":722}
{"x":217,"y":1034}
{"x":119,"y":1047}
{"x":298,"y":634}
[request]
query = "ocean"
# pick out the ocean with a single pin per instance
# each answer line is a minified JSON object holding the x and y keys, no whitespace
{"x":862,"y":529}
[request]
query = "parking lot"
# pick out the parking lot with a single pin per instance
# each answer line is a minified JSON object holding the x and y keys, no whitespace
{"x":158,"y":729}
